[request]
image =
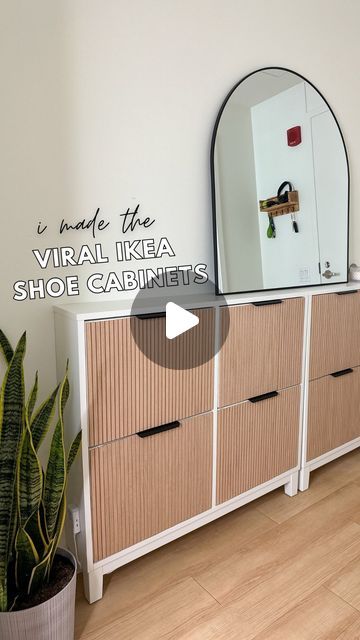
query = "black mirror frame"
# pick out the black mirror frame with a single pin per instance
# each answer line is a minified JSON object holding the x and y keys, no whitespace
{"x":218,"y":291}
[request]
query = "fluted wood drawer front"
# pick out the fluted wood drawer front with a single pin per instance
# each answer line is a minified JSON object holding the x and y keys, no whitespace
{"x":334,"y":412}
{"x":335,"y":335}
{"x":141,"y":486}
{"x":263,"y":350}
{"x":256,"y":442}
{"x":128,"y":392}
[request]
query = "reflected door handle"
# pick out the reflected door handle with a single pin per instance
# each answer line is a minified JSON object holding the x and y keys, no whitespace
{"x":329,"y":274}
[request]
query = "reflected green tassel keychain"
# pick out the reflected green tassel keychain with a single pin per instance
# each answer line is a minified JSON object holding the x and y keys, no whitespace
{"x":271,"y":230}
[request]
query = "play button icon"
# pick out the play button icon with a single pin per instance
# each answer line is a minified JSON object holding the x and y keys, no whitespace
{"x":175,"y":326}
{"x":178,"y":320}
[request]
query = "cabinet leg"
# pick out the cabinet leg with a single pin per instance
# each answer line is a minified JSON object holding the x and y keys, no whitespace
{"x":291,"y":487}
{"x":304,"y":479}
{"x":93,"y":585}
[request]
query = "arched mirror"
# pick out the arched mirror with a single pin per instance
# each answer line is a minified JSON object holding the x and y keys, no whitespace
{"x":280,"y":186}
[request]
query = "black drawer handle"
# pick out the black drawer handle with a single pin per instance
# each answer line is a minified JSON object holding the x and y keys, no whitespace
{"x":160,"y":429}
{"x":265,"y":303}
{"x":148,"y":316}
{"x":346,"y":293}
{"x":264,"y":396}
{"x":343,"y":372}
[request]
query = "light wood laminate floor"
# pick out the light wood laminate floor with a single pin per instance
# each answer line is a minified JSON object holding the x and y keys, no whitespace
{"x":278,"y":569}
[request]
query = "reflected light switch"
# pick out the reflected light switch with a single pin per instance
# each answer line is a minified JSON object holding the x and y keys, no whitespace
{"x":304,"y":274}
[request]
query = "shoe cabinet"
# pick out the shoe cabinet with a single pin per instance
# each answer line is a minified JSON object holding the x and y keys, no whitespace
{"x":332,"y":419}
{"x":167,"y":450}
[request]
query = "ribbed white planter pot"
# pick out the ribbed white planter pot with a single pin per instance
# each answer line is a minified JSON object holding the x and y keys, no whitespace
{"x":51,"y":620}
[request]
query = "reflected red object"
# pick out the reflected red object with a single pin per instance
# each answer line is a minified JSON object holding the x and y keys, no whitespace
{"x":294,"y":136}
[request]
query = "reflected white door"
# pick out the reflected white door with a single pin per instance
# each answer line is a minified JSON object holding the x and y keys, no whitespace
{"x":331,"y":185}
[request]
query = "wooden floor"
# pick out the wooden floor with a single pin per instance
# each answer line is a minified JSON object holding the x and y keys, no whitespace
{"x":278,"y":569}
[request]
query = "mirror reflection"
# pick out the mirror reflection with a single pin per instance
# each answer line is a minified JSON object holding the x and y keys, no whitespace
{"x":280,"y":186}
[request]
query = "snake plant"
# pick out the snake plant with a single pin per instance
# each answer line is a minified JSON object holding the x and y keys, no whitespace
{"x":32,"y":499}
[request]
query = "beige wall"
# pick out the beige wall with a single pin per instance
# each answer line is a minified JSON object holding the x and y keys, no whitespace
{"x":112,"y":102}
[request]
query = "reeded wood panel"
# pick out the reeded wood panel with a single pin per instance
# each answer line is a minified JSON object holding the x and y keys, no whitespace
{"x":141,"y":486}
{"x":335,"y":335}
{"x":334,"y":413}
{"x":127,"y":392}
{"x":256,"y":442}
{"x":263,"y":351}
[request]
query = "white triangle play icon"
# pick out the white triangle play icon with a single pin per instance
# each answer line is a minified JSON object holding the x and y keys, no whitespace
{"x":178,"y":320}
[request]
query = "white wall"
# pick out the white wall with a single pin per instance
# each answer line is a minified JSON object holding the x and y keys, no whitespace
{"x":111,"y":103}
{"x":236,"y":201}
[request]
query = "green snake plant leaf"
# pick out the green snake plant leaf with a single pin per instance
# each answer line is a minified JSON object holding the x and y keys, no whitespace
{"x":26,"y":559}
{"x":35,"y":529}
{"x":63,"y":396}
{"x":11,"y":431}
{"x":54,"y":479}
{"x":74,"y":448}
{"x":29,"y":479}
{"x":6,"y":347}
{"x":32,"y":398}
{"x":58,"y":531}
{"x":41,"y":420}
{"x":42,"y":515}
{"x":14,"y":603}
{"x":39,"y":573}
